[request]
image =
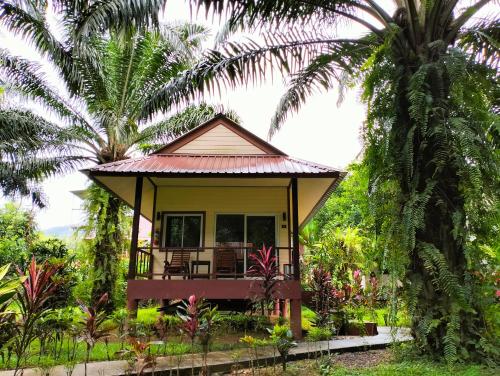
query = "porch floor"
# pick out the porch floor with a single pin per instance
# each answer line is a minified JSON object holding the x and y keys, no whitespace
{"x":222,"y":361}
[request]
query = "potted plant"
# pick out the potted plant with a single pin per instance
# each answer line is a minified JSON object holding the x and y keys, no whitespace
{"x":361,"y":301}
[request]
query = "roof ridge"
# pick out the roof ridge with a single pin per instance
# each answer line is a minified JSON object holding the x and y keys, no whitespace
{"x":218,"y":155}
{"x":314,"y":164}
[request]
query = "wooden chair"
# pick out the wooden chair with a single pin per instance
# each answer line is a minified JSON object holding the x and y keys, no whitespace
{"x":178,"y":265}
{"x":225,"y":261}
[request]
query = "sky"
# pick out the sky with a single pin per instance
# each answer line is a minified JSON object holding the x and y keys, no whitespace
{"x":321,"y":132}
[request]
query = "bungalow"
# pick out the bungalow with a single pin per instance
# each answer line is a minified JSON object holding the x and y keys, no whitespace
{"x":214,"y":196}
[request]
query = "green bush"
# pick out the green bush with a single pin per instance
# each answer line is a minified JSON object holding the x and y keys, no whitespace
{"x":319,"y":334}
{"x":308,"y":318}
{"x":242,"y":323}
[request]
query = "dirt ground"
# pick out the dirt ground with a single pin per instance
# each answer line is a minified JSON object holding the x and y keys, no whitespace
{"x":361,"y":359}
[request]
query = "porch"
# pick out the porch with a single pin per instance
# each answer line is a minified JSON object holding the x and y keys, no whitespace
{"x":203,"y":244}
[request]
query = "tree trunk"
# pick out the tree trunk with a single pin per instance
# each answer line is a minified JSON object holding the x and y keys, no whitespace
{"x":440,"y":321}
{"x":107,"y":251}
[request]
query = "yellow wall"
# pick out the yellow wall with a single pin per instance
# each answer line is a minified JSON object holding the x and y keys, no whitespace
{"x":218,"y":200}
{"x":219,"y":140}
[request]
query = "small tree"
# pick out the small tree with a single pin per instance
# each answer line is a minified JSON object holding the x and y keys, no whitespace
{"x":190,"y":313}
{"x":92,"y":322}
{"x":119,"y":317}
{"x":265,"y":267}
{"x":206,"y":331}
{"x":37,"y":288}
{"x":321,"y":284}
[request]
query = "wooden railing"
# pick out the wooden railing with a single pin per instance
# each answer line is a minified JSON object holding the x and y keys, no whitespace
{"x":215,"y":266}
{"x":144,"y":263}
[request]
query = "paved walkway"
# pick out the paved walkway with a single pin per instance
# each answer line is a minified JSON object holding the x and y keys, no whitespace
{"x":219,"y":361}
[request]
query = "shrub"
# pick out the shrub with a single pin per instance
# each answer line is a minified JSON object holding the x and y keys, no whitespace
{"x":37,"y":288}
{"x":308,"y":318}
{"x":243,"y":323}
{"x":93,"y":321}
{"x":282,"y":339}
{"x":319,"y":334}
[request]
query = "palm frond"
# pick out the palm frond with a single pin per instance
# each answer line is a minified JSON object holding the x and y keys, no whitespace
{"x":32,"y":149}
{"x":23,"y":133}
{"x":21,"y":177}
{"x":102,"y":15}
{"x":321,"y":74}
{"x":32,"y":26}
{"x":277,"y":12}
{"x":483,"y":42}
{"x":27,"y":78}
{"x":243,"y":63}
{"x":185,"y":38}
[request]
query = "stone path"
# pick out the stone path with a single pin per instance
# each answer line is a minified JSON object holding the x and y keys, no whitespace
{"x":220,"y":361}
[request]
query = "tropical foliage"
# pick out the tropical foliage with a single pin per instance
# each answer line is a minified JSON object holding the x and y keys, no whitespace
{"x":428,"y":73}
{"x":37,"y":288}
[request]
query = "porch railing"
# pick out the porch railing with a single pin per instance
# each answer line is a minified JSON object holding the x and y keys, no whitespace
{"x":144,"y":262}
{"x":193,"y":263}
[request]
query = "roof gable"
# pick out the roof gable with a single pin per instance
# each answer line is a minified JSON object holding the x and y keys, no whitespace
{"x":219,"y":135}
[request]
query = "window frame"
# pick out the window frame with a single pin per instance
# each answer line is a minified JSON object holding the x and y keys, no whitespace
{"x":165,"y":214}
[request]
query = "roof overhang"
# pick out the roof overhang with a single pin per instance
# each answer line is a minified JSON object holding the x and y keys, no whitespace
{"x":313,"y":189}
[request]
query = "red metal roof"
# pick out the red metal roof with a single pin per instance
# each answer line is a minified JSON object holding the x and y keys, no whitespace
{"x":186,"y":164}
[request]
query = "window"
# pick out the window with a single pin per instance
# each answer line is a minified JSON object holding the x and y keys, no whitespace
{"x":182,"y":230}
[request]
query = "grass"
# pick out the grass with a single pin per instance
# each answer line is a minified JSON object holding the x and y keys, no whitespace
{"x":416,"y":368}
{"x":379,"y":316}
{"x":148,"y":315}
{"x":100,"y":352}
{"x":176,"y":345}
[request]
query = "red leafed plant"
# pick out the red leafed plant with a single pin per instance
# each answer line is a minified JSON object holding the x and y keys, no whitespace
{"x":36,"y":289}
{"x":92,"y":322}
{"x":38,"y":285}
{"x":190,"y":314}
{"x":265,"y":267}
{"x":139,"y":356}
{"x":321,"y":283}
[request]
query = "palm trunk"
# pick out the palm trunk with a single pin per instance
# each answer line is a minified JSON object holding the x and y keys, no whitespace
{"x":439,"y":321}
{"x":107,"y":251}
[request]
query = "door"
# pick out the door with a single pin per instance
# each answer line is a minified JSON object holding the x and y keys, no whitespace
{"x":230,"y":232}
{"x":250,"y":232}
{"x":261,"y":231}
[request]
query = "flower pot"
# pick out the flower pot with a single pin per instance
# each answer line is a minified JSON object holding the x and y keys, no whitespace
{"x":362,"y":329}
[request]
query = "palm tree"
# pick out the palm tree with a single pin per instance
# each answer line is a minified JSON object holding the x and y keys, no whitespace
{"x":31,"y":150}
{"x":104,"y":120}
{"x":24,"y":166}
{"x":428,"y":70}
